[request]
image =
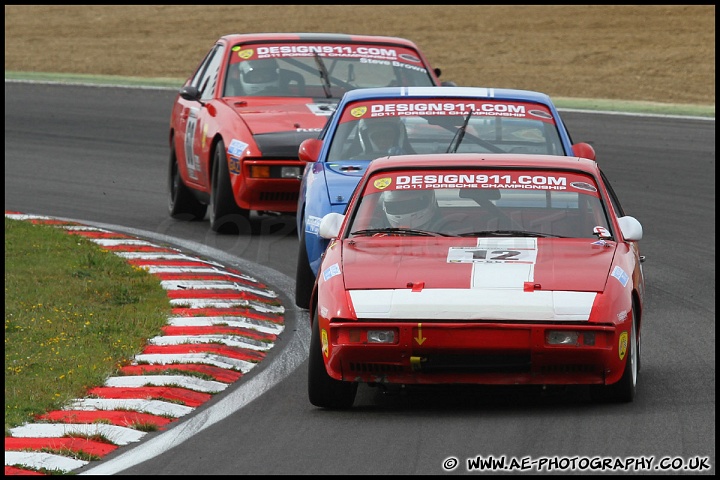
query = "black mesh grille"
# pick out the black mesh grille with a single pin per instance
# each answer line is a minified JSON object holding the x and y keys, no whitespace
{"x":374,"y":367}
{"x":279,"y":196}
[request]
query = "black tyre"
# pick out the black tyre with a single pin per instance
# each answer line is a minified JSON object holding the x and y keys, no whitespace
{"x":304,"y":276}
{"x":182,"y":204}
{"x":624,"y":390}
{"x":323,"y":390}
{"x":225,"y":215}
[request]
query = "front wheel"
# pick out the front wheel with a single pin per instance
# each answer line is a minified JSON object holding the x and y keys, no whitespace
{"x":225,"y":215}
{"x":323,"y":390}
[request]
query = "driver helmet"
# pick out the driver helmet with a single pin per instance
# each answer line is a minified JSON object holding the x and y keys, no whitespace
{"x":383,"y":135}
{"x":409,"y":208}
{"x":257,"y":76}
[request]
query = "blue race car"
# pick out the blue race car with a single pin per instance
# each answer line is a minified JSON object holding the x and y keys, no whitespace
{"x":377,"y":122}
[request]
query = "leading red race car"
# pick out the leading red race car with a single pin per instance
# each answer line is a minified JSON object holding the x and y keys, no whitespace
{"x":238,"y":121}
{"x":496,"y":269}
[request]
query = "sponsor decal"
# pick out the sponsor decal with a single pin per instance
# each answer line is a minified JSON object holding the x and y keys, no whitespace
{"x":409,"y":58}
{"x":601,"y":232}
{"x":481,"y":180}
{"x":324,"y":342}
{"x":234,"y":165}
{"x":192,"y":161}
{"x":245,"y":54}
{"x":382,"y":183}
{"x":621,"y":275}
{"x":358,"y":111}
{"x":364,"y":53}
{"x":446,"y":107}
{"x":236,"y":148}
{"x":459,"y":107}
{"x":622,"y":345}
{"x":515,"y":180}
{"x":321,"y":109}
{"x":540,"y":113}
{"x":312,"y":224}
{"x":331,"y":271}
{"x":583,"y":186}
{"x":508,"y":250}
{"x":622,"y":316}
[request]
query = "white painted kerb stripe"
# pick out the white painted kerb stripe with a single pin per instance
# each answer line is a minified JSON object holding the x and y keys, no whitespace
{"x":213,"y":285}
{"x":221,"y":361}
{"x":154,"y":407}
{"x":115,"y":433}
{"x":229,"y":340}
{"x":182,"y":381}
{"x":242,"y":322}
{"x":38,"y":460}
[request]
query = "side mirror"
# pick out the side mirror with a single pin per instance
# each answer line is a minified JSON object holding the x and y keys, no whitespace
{"x":631,"y":229}
{"x":190,"y":93}
{"x":584,"y":150}
{"x":330,"y":225}
{"x":309,"y":150}
{"x":446,"y":83}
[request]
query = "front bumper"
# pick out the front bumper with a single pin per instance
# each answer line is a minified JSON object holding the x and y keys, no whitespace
{"x":473,"y":352}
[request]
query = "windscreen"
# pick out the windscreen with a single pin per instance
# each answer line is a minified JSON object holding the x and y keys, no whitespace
{"x":325,"y":70}
{"x":446,"y":125}
{"x":477,"y":202}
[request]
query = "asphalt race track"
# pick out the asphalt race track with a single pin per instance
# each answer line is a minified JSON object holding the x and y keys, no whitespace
{"x":98,"y":155}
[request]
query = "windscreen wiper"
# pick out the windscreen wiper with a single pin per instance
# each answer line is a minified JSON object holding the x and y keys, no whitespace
{"x":508,"y":233}
{"x":396,"y":231}
{"x":458,"y":138}
{"x":324,"y":75}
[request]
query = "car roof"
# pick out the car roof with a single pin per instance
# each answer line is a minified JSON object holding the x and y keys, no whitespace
{"x":455,"y":92}
{"x":317,"y":37}
{"x":430,"y":161}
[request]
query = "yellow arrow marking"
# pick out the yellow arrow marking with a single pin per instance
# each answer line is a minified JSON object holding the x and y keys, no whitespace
{"x":420,"y":339}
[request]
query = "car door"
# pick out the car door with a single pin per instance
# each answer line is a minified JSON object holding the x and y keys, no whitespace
{"x":195,"y":152}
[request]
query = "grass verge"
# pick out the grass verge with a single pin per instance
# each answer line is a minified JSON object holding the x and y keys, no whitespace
{"x":74,"y":314}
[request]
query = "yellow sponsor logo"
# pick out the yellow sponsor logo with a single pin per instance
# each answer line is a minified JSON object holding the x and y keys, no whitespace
{"x":622,"y":345}
{"x":245,"y":54}
{"x":324,"y":342}
{"x":382,"y":183}
{"x":358,"y":111}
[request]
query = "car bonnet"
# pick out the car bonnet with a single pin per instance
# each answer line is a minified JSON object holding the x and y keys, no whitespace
{"x":512,"y":278}
{"x":301,"y":115}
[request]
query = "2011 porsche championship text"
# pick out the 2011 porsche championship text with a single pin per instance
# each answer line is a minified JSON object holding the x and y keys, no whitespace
{"x":581,"y":464}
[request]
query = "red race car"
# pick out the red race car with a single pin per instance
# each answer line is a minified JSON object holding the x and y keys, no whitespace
{"x":238,"y":121}
{"x":494,"y":269}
